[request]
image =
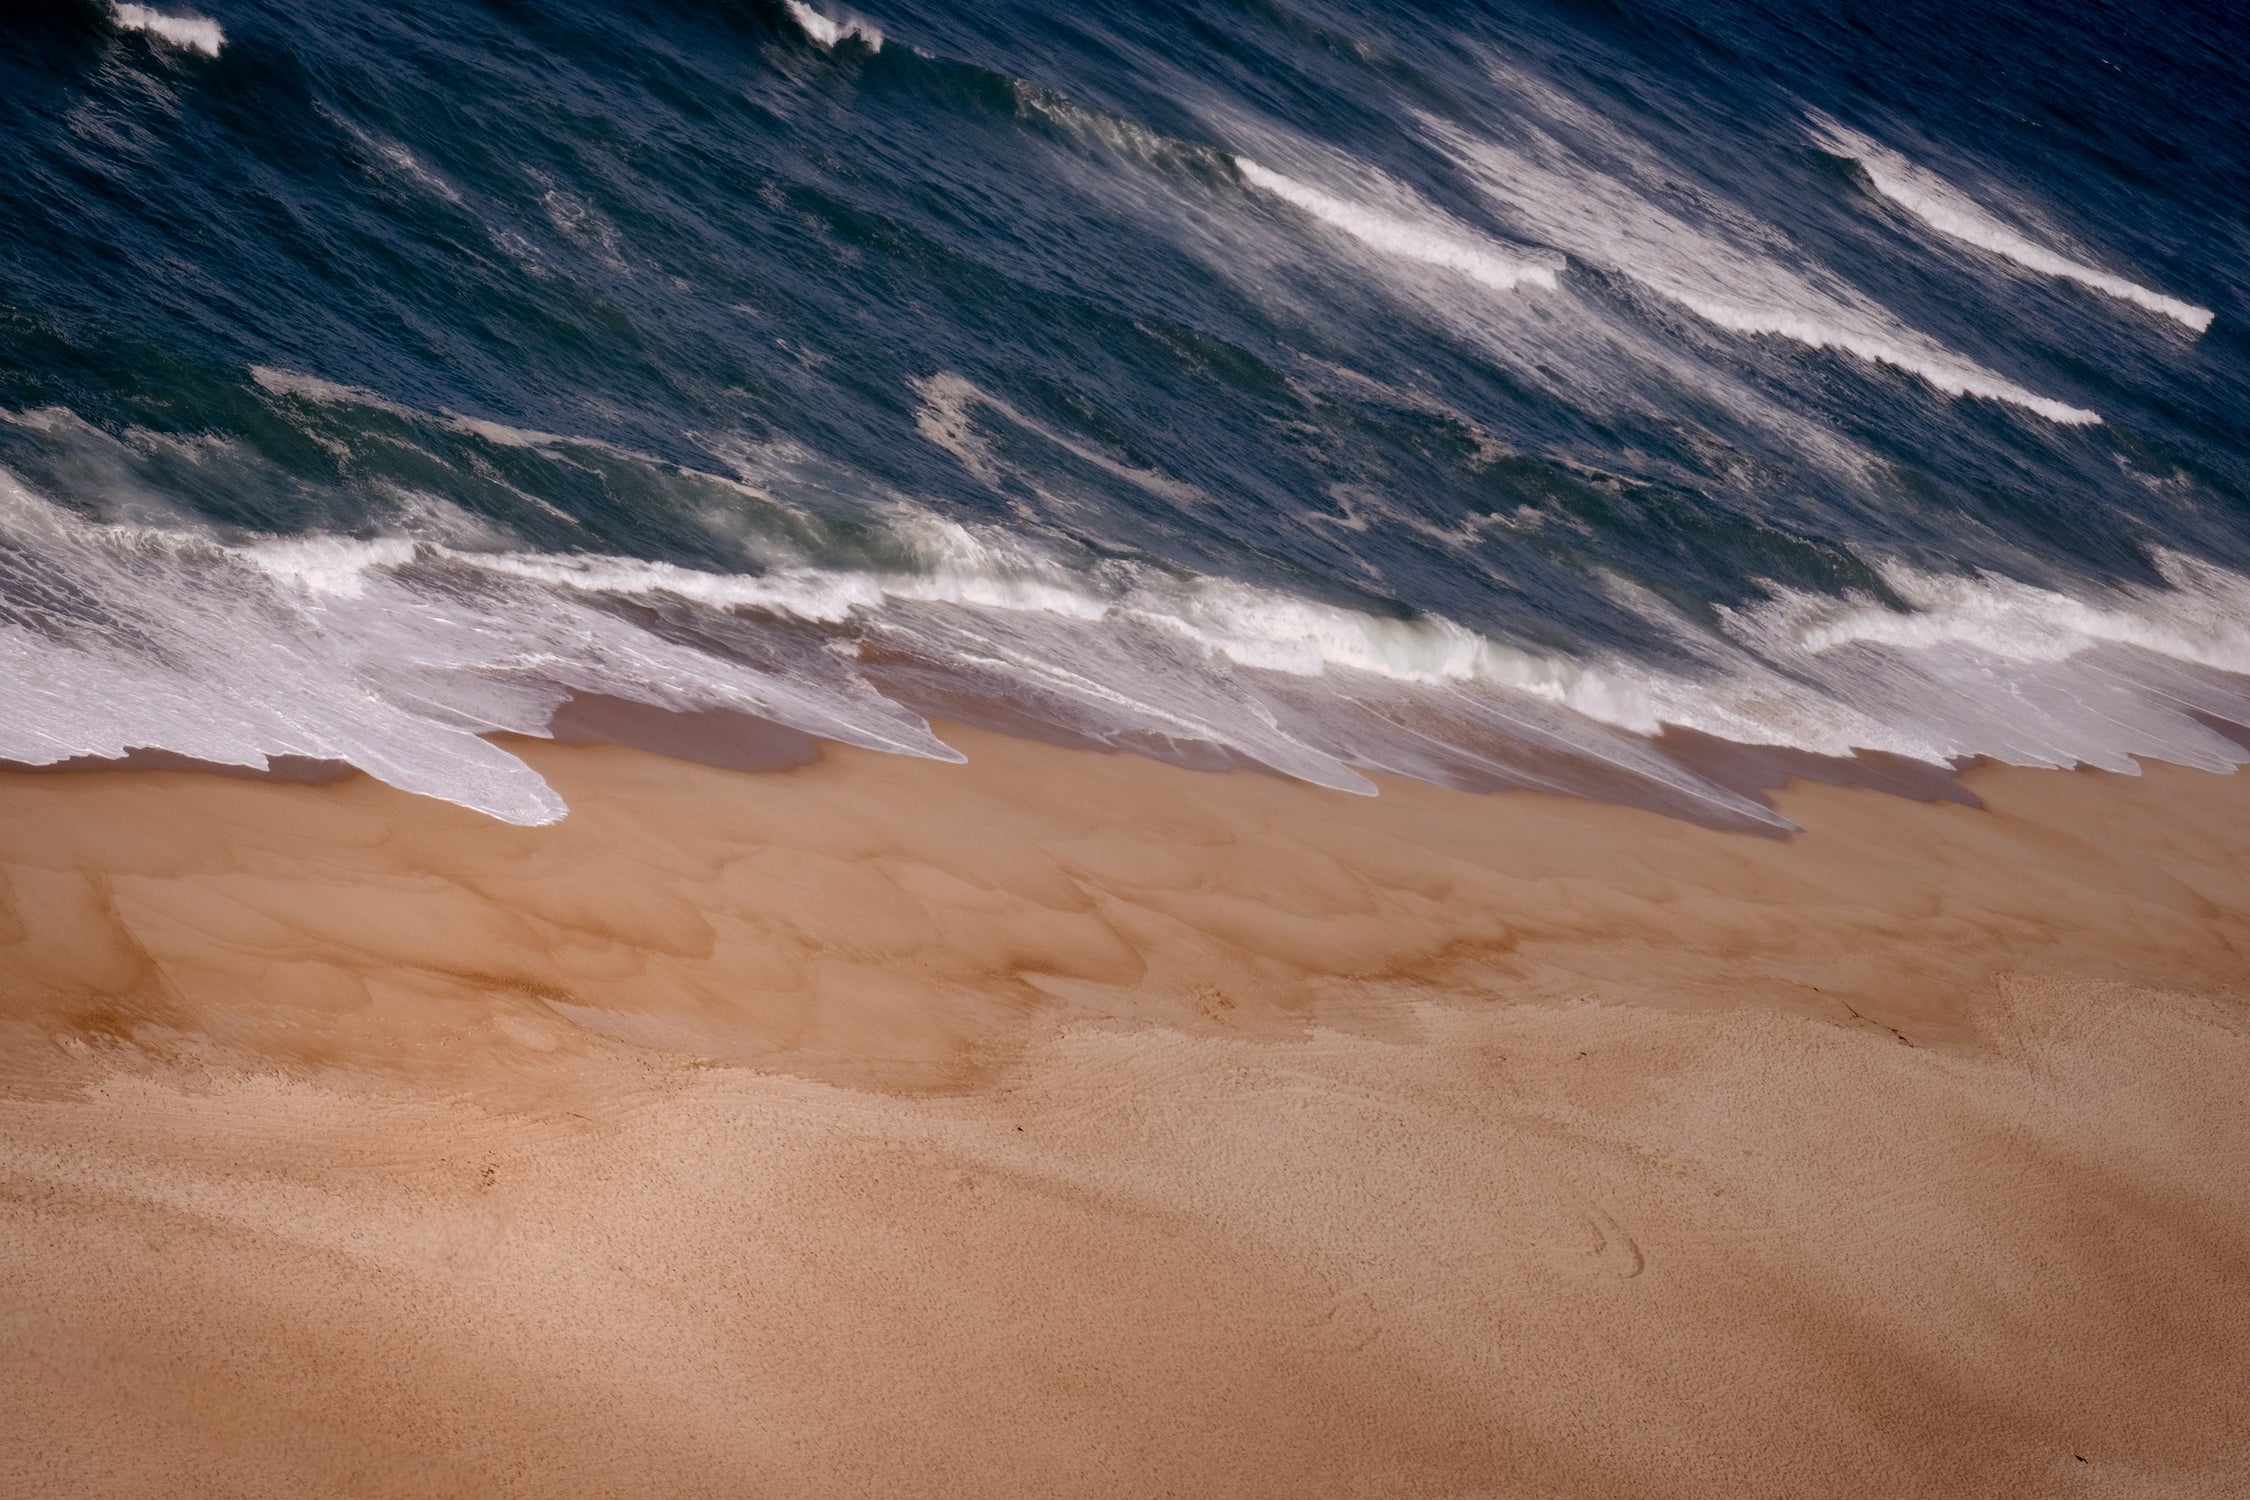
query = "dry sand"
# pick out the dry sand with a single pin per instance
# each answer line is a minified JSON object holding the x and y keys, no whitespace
{"x":1071,"y":1124}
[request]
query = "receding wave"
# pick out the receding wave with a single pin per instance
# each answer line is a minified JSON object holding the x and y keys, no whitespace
{"x":1954,"y":214}
{"x":1450,"y":248}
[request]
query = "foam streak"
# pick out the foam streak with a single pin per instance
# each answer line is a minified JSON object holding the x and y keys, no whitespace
{"x":1450,"y":249}
{"x":1719,"y":264}
{"x":1955,"y":215}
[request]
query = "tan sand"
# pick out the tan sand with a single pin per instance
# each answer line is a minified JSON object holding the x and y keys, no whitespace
{"x":1069,"y":1124}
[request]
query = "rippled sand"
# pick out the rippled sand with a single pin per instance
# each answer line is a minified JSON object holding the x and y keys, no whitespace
{"x":1073,"y":1124}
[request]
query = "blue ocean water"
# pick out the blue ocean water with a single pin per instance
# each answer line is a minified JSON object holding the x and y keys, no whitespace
{"x":1498,"y":394}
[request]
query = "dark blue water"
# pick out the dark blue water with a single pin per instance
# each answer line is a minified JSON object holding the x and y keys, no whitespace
{"x":1487,"y":393}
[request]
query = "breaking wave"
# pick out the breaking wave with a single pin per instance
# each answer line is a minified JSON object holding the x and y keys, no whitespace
{"x":1447,"y":247}
{"x":829,"y":32}
{"x":1954,"y":214}
{"x":1351,"y":396}
{"x":189,"y":33}
{"x":1727,"y":270}
{"x":401,"y":656}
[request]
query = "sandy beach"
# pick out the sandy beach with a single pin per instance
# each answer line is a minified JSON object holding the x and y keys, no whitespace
{"x":1259,"y":750}
{"x":1069,"y":1123}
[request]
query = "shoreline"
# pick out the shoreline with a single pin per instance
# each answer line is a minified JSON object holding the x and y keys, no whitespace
{"x":926,"y":912}
{"x":1072,"y":1122}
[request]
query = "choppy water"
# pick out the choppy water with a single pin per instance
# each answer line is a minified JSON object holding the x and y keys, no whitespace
{"x":1468,"y":392}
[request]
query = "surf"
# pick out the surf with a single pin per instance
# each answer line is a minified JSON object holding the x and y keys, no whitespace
{"x":1955,"y":215}
{"x":188,"y":33}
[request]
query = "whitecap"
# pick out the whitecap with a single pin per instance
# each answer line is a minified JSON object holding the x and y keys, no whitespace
{"x":1725,"y":267}
{"x":1954,"y":376}
{"x":828,"y":33}
{"x":190,"y":33}
{"x":1957,"y":216}
{"x":1430,"y":241}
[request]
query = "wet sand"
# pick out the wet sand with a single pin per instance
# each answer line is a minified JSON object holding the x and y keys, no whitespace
{"x":1066,"y":1123}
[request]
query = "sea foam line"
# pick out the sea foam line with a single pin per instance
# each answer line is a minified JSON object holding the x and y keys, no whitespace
{"x":191,"y":33}
{"x":1955,"y":215}
{"x":1422,"y":242}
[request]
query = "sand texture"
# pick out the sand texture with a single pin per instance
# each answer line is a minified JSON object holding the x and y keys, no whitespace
{"x":1068,"y":1124}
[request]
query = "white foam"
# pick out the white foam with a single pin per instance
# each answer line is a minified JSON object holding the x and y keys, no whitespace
{"x":1432,"y":241}
{"x":1703,"y":253}
{"x":1571,"y":346}
{"x":828,"y":33}
{"x":398,"y":653}
{"x":946,"y":417}
{"x":585,"y":226}
{"x":1792,"y":679}
{"x":397,"y":656}
{"x":1954,"y":214}
{"x":371,"y":652}
{"x":190,"y":33}
{"x":1955,"y":377}
{"x":1986,"y":665}
{"x":2201,"y":616}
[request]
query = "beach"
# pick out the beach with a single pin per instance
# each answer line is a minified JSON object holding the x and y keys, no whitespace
{"x":1246,"y":751}
{"x":1072,"y":1123}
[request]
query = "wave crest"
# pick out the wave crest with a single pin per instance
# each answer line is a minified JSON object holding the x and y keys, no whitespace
{"x":400,"y":656}
{"x":1957,"y":216}
{"x":1449,"y":248}
{"x":189,"y":33}
{"x":829,"y":33}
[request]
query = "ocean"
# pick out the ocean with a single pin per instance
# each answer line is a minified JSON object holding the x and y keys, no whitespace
{"x":1621,"y":399}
